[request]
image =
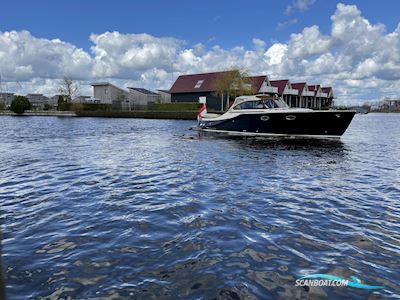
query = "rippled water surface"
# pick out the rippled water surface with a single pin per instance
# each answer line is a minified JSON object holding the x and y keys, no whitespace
{"x":94,"y":208}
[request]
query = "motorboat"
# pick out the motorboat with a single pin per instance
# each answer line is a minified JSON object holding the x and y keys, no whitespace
{"x":263,"y":115}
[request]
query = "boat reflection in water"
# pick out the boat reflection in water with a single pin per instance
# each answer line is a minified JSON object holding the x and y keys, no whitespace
{"x":262,"y":115}
{"x":315,"y":147}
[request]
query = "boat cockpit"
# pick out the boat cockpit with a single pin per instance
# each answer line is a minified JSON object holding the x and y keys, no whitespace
{"x":258,"y":102}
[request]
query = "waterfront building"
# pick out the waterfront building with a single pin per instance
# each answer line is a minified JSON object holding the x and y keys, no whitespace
{"x":189,"y":88}
{"x":133,"y":98}
{"x":165,"y":96}
{"x":328,"y":101}
{"x":264,"y":84}
{"x":319,"y":96}
{"x":37,"y":100}
{"x":140,"y":98}
{"x":108,"y":93}
{"x":304,"y":95}
{"x":286,"y":91}
{"x":6,"y":98}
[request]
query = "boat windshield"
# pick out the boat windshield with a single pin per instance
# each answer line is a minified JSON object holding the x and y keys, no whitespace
{"x":281,"y":103}
{"x":261,"y":104}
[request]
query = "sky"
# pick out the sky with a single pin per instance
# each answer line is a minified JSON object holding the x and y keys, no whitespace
{"x":353,"y":46}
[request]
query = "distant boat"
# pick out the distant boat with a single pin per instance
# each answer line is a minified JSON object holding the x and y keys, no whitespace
{"x":262,"y":115}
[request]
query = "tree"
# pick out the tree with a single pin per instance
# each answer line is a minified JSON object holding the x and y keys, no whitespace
{"x":69,"y":88}
{"x":20,"y":104}
{"x":233,"y":83}
{"x":62,"y":103}
{"x":47,"y":106}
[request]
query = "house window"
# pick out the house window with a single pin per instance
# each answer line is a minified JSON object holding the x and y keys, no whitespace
{"x":198,"y":84}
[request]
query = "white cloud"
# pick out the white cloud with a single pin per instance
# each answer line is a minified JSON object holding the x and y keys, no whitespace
{"x":300,"y":5}
{"x":118,"y":54}
{"x":23,"y":56}
{"x":259,"y":44}
{"x":307,"y":43}
{"x":282,"y":25}
{"x":358,"y":58}
{"x":275,"y":54}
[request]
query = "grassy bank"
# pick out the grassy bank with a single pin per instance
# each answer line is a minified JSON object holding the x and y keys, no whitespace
{"x":145,"y":114}
{"x":177,"y":111}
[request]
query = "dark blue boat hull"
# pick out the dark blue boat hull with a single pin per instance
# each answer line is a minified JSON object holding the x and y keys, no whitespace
{"x":316,"y":123}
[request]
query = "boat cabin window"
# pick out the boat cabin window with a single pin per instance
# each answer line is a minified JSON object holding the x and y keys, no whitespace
{"x":258,"y":104}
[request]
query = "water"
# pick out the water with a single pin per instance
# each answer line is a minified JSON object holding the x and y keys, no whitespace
{"x":97,"y":208}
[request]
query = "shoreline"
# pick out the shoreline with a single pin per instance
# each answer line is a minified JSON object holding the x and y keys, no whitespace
{"x":52,"y":113}
{"x":140,"y":114}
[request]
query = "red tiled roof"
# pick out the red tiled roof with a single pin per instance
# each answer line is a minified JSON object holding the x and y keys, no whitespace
{"x":314,"y":88}
{"x":257,"y":81}
{"x":327,"y":89}
{"x":187,"y":83}
{"x":299,"y":86}
{"x":280,"y":84}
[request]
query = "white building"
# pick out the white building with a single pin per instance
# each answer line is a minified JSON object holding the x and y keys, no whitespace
{"x":266,"y":87}
{"x":134,"y":98}
{"x":108,"y":93}
{"x":165,"y":96}
{"x":141,"y":98}
{"x":304,"y":97}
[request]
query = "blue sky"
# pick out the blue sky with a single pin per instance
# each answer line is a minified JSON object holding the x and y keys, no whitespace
{"x":222,"y":22}
{"x":149,"y":43}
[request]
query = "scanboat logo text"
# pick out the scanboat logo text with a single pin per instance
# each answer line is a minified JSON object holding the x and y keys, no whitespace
{"x":336,"y":281}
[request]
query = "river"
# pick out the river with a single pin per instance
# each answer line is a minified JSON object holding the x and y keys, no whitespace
{"x":101,"y":208}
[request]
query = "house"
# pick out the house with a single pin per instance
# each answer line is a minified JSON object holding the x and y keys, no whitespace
{"x":328,"y":101}
{"x":140,"y":98}
{"x":319,"y":97}
{"x":7,"y":98}
{"x":286,"y":91}
{"x":107,"y":93}
{"x":165,"y":96}
{"x":37,"y":100}
{"x":304,"y":96}
{"x":265,"y":85}
{"x":133,"y":98}
{"x":189,"y":88}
